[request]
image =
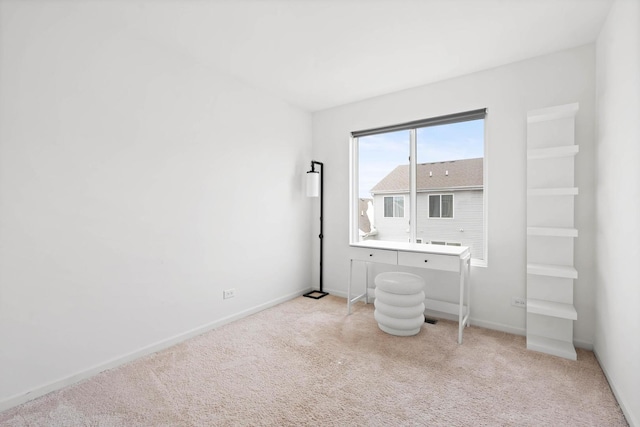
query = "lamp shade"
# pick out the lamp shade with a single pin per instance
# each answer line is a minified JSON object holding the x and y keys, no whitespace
{"x":313,"y":184}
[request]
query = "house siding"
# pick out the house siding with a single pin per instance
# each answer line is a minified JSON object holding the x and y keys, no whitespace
{"x":468,"y":217}
{"x":391,"y":229}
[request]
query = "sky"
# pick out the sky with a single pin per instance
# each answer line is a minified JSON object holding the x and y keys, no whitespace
{"x":380,"y":154}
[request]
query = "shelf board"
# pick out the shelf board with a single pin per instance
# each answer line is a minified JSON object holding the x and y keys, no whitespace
{"x":553,"y":152}
{"x":552,"y":231}
{"x":551,"y":346}
{"x":553,"y":309}
{"x":552,"y":113}
{"x":562,"y":191}
{"x":552,"y":270}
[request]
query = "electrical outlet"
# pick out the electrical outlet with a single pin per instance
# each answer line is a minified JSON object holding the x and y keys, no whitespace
{"x":518,"y":302}
{"x":228,"y":293}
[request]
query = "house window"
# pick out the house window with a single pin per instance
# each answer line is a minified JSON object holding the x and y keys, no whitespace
{"x":441,"y":206}
{"x":394,"y":207}
{"x":415,"y":174}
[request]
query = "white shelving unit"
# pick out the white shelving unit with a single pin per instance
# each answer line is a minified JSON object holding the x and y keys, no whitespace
{"x":552,"y":231}
{"x":560,"y":191}
{"x":551,"y":152}
{"x":552,"y":270}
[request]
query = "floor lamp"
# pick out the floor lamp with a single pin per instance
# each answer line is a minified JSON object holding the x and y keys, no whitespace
{"x":314,"y":189}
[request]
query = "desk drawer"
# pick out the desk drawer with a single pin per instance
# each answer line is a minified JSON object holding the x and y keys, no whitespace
{"x":433,"y":261}
{"x":374,"y":255}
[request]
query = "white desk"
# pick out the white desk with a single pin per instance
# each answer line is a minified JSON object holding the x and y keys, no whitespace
{"x":437,"y":257}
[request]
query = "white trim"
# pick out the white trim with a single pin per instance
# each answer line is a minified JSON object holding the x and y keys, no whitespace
{"x":586,"y":345}
{"x":633,"y":422}
{"x":353,"y":191}
{"x":432,"y":190}
{"x":451,"y":189}
{"x":413,"y":179}
{"x":43,"y":389}
{"x":441,"y":217}
{"x":498,"y":327}
{"x":485,"y":199}
{"x":393,"y":205}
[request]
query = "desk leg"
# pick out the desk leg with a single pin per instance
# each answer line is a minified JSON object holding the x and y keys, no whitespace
{"x":461,"y":304}
{"x":465,"y":276}
{"x":468,"y":283}
{"x":366,"y":285}
{"x":349,"y":287}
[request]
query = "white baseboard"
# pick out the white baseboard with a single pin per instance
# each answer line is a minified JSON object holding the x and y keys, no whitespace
{"x":144,"y":351}
{"x":583,"y":344}
{"x":336,"y":293}
{"x":476,"y":322}
{"x":497,"y":326}
{"x":631,"y":420}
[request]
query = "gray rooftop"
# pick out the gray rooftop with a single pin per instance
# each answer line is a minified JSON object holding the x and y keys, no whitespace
{"x":434,"y":176}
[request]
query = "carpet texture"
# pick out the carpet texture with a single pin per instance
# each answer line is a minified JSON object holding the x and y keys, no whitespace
{"x":305,"y":362}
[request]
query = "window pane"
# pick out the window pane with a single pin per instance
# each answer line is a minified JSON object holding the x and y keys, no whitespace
{"x":399,"y":206}
{"x":450,"y":160}
{"x":434,"y":206}
{"x":388,"y":207}
{"x":447,"y":206}
{"x":383,"y":180}
{"x":449,"y":166}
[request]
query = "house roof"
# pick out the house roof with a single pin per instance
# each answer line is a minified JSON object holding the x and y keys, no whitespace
{"x":434,"y":176}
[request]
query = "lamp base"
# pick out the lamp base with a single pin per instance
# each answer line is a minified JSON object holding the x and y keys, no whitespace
{"x":316,"y":294}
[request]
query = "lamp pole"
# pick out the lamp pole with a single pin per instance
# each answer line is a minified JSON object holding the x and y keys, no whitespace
{"x":321,"y":293}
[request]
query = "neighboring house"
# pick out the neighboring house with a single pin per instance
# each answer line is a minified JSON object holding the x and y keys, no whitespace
{"x":450,"y":204}
{"x":364,"y":222}
{"x":366,"y":227}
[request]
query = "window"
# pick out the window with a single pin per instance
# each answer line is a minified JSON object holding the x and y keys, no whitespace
{"x":394,"y":207}
{"x":423,"y":181}
{"x":441,"y":206}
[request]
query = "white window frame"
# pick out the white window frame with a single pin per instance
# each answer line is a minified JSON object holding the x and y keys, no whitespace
{"x":353,"y":191}
{"x":453,"y":212}
{"x":394,"y":206}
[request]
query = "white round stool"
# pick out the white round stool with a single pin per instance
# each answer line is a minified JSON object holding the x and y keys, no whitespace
{"x":399,"y":303}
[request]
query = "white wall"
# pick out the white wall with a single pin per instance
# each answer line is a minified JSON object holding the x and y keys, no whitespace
{"x":617,"y":343}
{"x":508,"y":92}
{"x":135,"y":185}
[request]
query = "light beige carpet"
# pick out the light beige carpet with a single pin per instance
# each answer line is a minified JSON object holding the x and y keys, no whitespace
{"x":305,"y":362}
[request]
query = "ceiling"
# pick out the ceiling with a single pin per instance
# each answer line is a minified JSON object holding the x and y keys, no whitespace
{"x":319,"y":54}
